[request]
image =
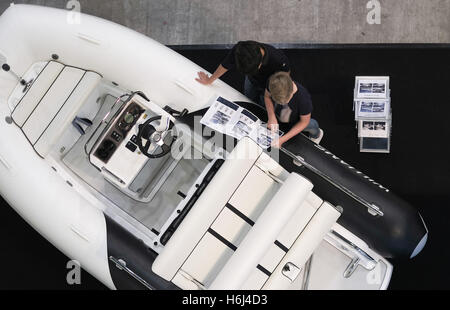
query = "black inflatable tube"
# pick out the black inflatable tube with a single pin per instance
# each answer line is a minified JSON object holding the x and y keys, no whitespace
{"x":139,"y":258}
{"x":395,"y":234}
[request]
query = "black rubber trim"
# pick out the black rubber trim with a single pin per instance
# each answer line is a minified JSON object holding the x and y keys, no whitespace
{"x":206,"y":180}
{"x":264,"y":270}
{"x":138,"y":256}
{"x":240,"y":214}
{"x":222,"y":239}
{"x":181,"y":194}
{"x":281,"y":246}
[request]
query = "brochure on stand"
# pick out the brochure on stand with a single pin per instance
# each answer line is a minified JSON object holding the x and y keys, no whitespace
{"x":372,"y":108}
{"x":372,"y":87}
{"x":373,"y":128}
{"x":233,"y":120}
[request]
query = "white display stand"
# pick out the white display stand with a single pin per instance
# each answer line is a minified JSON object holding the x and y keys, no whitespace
{"x":373,"y":113}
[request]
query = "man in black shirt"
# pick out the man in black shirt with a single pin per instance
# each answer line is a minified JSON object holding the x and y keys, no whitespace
{"x":257,"y":61}
{"x":289,"y":106}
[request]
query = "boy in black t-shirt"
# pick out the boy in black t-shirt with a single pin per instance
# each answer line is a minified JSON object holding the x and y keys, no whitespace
{"x":289,"y":105}
{"x":257,"y":61}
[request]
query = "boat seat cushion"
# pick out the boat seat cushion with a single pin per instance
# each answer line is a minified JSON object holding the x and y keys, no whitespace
{"x":221,"y":220}
{"x":213,"y":204}
{"x":297,"y":254}
{"x":283,"y":205}
{"x":52,"y":102}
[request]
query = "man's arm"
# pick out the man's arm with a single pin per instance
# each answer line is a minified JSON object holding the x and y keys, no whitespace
{"x":272,"y":118}
{"x":204,"y":79}
{"x":298,"y":128}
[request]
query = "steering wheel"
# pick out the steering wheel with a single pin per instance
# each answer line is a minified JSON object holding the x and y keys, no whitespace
{"x":156,"y":137}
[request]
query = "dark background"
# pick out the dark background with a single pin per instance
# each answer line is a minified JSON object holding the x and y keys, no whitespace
{"x":417,"y":169}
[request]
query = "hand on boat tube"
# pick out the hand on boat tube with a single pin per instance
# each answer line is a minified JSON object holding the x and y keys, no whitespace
{"x":278,"y":143}
{"x":204,"y":78}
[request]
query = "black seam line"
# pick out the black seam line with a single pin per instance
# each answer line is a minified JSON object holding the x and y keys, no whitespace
{"x":222,"y":239}
{"x":66,"y":65}
{"x":240,"y":214}
{"x":26,"y":93}
{"x":181,"y":194}
{"x":62,"y":106}
{"x":221,"y":210}
{"x":31,"y":144}
{"x":264,"y":270}
{"x":45,"y":94}
{"x":281,"y":246}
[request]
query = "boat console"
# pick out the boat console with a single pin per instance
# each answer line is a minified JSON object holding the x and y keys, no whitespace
{"x":140,"y":131}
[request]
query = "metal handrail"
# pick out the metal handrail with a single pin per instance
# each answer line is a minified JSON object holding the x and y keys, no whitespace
{"x":122,"y":265}
{"x":373,"y":209}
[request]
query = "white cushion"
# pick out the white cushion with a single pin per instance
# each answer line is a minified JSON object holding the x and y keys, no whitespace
{"x":68,"y":112}
{"x":255,"y":281}
{"x":37,"y":91}
{"x":254,"y":193}
{"x":51,"y":103}
{"x":305,"y":245}
{"x":231,"y":227}
{"x":264,"y":233}
{"x":272,"y":258}
{"x":299,"y":220}
{"x":206,"y":209}
{"x":207,"y":259}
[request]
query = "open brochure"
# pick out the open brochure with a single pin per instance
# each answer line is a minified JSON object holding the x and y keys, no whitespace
{"x":231,"y":119}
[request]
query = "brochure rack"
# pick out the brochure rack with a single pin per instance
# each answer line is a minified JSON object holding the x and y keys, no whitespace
{"x":373,"y":113}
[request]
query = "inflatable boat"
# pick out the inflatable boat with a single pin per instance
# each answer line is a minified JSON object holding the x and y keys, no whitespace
{"x":103,"y":153}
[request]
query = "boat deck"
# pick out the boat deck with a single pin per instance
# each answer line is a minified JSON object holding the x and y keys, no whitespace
{"x":152,"y":212}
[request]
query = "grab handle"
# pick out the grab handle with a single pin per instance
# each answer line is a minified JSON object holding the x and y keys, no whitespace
{"x":5,"y":163}
{"x":185,"y":88}
{"x":89,"y":39}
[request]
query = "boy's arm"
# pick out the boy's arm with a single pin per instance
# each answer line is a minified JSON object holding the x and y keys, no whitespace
{"x":272,"y":119}
{"x":298,"y":128}
{"x":204,"y":79}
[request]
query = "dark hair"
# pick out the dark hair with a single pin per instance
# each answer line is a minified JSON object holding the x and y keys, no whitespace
{"x":248,"y":57}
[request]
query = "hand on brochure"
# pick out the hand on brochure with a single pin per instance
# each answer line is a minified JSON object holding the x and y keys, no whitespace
{"x":272,"y":124}
{"x":231,"y":119}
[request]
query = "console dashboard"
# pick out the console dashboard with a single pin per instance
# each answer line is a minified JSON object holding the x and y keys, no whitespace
{"x":116,"y":153}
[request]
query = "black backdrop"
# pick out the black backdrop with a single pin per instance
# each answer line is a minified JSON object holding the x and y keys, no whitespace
{"x":417,"y":169}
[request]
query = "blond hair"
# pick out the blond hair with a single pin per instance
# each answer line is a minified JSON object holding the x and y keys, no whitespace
{"x":280,"y":87}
